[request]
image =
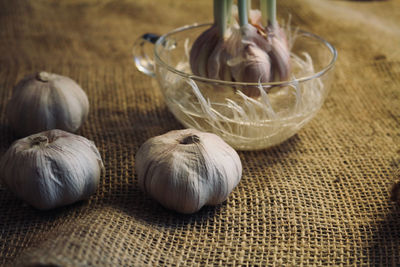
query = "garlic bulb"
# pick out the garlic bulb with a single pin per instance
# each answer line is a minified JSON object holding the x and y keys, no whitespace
{"x":46,"y":101}
{"x":187,"y":169}
{"x":243,"y":50}
{"x":51,"y":169}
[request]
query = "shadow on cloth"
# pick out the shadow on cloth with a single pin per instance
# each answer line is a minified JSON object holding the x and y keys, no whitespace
{"x":17,"y":217}
{"x":129,"y":129}
{"x":385,"y":250}
{"x":8,"y":138}
{"x":143,"y":208}
{"x":153,"y":122}
{"x":267,"y":158}
{"x":130,"y":199}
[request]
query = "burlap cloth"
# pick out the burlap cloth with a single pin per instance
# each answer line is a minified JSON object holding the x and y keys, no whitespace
{"x":321,"y":198}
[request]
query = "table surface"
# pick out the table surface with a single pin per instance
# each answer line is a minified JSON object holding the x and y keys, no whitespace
{"x":324,"y":197}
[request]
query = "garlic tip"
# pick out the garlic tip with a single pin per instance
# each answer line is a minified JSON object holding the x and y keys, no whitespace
{"x":40,"y":140}
{"x":44,"y":76}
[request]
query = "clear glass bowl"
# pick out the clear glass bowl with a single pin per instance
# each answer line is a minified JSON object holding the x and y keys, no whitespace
{"x":222,"y":107}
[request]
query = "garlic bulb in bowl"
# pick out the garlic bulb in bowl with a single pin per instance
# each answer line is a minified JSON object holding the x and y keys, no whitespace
{"x":51,"y":169}
{"x":187,"y":169}
{"x":46,"y":101}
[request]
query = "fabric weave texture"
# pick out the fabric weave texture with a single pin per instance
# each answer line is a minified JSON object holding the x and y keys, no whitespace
{"x":324,"y":197}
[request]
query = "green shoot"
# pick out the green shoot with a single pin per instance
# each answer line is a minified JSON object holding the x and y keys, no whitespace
{"x":248,"y":7}
{"x":271,"y":12}
{"x":243,"y":17}
{"x":220,"y":12}
{"x":264,"y":16}
{"x":229,"y":11}
{"x":268,"y":11}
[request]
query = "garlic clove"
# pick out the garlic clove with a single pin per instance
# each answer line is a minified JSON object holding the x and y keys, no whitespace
{"x":280,"y":53}
{"x":216,"y":68}
{"x":278,"y":48}
{"x":46,"y":101}
{"x":186,"y":169}
{"x":51,"y":169}
{"x":254,"y":66}
{"x":202,"y":49}
{"x":252,"y":34}
{"x":249,"y":61}
{"x":227,"y":47}
{"x":213,"y":61}
{"x":241,"y":56}
{"x":249,"y":53}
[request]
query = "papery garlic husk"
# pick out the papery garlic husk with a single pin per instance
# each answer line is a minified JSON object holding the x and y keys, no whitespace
{"x":241,"y":56}
{"x":202,"y":49}
{"x":45,"y":101}
{"x":51,"y":169}
{"x":216,"y":67}
{"x":280,"y":54}
{"x":186,"y":169}
{"x":266,"y":51}
{"x":255,"y":18}
{"x":279,"y":51}
{"x":254,"y":67}
{"x":250,"y":53}
{"x":250,"y":62}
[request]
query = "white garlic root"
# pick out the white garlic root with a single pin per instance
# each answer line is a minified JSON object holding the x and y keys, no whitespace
{"x":45,"y":101}
{"x":51,"y":169}
{"x":186,"y":169}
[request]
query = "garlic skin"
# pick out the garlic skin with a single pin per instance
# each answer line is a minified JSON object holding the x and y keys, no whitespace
{"x":280,"y":53}
{"x":255,"y":66}
{"x":51,"y":169}
{"x":186,"y":169}
{"x":45,"y":101}
{"x":202,"y":49}
{"x":249,"y":52}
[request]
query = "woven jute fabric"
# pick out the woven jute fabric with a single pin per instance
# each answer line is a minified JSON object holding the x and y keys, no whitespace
{"x":324,"y":197}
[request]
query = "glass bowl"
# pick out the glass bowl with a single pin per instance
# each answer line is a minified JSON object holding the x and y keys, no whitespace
{"x":222,"y":107}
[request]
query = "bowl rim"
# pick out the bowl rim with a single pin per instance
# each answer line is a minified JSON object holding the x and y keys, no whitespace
{"x":318,"y":74}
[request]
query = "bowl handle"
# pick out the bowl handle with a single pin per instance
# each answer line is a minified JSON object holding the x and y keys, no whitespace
{"x":141,"y":48}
